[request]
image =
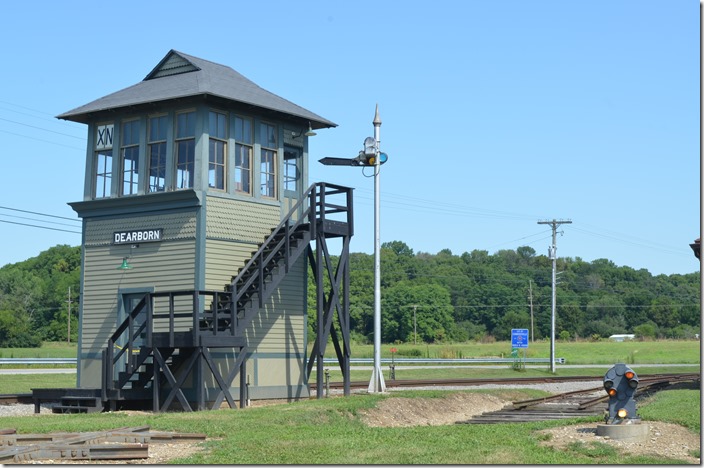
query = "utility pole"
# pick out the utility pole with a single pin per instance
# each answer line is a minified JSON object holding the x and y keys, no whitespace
{"x":530,"y":297}
{"x":553,"y":255}
{"x":68,"y":334}
{"x":415,"y":333}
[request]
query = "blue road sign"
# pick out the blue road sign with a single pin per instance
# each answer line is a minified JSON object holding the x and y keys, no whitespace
{"x":519,"y":338}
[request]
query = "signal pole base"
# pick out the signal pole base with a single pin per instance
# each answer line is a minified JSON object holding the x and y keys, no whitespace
{"x":626,"y":432}
{"x":376,"y":383}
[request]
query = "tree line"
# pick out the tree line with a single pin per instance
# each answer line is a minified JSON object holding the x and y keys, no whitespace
{"x":425,"y":298}
{"x":478,"y":296}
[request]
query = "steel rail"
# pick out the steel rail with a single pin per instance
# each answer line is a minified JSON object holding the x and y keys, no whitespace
{"x":509,"y":381}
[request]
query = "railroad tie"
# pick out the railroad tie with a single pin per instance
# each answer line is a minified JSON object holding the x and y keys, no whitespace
{"x":118,"y":444}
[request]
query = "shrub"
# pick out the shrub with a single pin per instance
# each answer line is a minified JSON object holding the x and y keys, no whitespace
{"x":646,"y":330}
{"x":410,"y":352}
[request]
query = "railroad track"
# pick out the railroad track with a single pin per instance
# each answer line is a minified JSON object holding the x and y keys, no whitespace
{"x":675,"y":377}
{"x":576,"y":404}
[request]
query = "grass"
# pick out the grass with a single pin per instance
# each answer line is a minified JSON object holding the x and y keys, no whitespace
{"x":674,"y":407}
{"x":47,"y":350}
{"x":24,"y":383}
{"x":331,"y":431}
{"x":600,"y":352}
{"x":582,"y":352}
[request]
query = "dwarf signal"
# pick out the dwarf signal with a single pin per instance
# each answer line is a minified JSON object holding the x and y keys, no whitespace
{"x":620,"y":383}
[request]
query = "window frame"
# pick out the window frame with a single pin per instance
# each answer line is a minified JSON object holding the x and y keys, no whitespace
{"x":103,"y":160}
{"x":242,"y":175}
{"x":268,"y":179}
{"x":161,"y":153}
{"x":217,"y":150}
{"x":186,"y":142}
{"x":294,"y":179}
{"x":129,"y":148}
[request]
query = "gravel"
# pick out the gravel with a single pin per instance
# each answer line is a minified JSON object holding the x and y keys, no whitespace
{"x":24,"y":410}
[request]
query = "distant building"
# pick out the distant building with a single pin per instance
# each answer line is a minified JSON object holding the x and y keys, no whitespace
{"x":621,"y":337}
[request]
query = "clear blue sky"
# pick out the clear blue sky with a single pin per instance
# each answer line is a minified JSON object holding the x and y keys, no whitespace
{"x":496,"y":114}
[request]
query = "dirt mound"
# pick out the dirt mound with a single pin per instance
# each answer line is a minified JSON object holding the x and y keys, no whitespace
{"x":397,"y":412}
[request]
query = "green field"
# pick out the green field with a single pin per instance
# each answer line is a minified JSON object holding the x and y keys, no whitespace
{"x":47,"y":350}
{"x":582,"y":352}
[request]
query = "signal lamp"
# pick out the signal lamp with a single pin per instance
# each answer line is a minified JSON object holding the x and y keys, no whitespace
{"x":620,"y":383}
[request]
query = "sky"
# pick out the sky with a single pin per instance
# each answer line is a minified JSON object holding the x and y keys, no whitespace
{"x":495,"y":114}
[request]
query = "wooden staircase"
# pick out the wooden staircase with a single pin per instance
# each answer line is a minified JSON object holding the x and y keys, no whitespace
{"x":151,"y":367}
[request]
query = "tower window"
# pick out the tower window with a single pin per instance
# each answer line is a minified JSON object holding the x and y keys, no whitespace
{"x":157,"y":153}
{"x":268,"y":160}
{"x":292,"y":172}
{"x":103,"y":178}
{"x":185,"y":149}
{"x":217,"y":150}
{"x":102,"y":183}
{"x":129,"y":157}
{"x":244,"y":149}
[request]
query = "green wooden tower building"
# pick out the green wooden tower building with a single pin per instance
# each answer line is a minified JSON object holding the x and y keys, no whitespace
{"x":199,"y":233}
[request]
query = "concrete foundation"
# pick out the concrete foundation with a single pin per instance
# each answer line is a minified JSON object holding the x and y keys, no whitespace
{"x":626,"y":432}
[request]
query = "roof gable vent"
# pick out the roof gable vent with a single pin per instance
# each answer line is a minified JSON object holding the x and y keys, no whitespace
{"x":172,"y":64}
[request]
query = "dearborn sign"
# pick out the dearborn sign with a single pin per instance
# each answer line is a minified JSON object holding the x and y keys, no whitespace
{"x":138,"y":235}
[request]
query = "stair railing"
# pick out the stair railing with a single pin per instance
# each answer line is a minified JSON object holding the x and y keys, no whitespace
{"x":314,"y":211}
{"x":162,"y":318}
{"x":110,"y":359}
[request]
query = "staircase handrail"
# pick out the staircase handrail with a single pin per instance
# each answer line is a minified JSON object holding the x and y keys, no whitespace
{"x":283,"y":224}
{"x":318,"y":215}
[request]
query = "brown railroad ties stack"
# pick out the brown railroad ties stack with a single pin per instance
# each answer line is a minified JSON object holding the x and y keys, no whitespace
{"x":124,"y":443}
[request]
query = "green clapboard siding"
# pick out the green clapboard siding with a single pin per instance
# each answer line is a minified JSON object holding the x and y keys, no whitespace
{"x":276,"y":336}
{"x":158,"y":266}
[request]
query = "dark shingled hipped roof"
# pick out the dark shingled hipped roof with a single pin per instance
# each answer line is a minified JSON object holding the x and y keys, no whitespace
{"x":179,"y":76}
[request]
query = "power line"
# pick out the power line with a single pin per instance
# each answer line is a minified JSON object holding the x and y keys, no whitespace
{"x":41,"y":227}
{"x":43,"y":141}
{"x":643,"y":243}
{"x":42,"y":129}
{"x":39,"y":220}
{"x":43,"y":116}
{"x":39,"y":214}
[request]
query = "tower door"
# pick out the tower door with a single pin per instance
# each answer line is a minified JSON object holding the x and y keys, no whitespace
{"x":128,"y":300}
{"x":293,"y":184}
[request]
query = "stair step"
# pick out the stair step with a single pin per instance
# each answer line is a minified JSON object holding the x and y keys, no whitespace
{"x":78,"y":404}
{"x":69,"y":400}
{"x":61,"y":409}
